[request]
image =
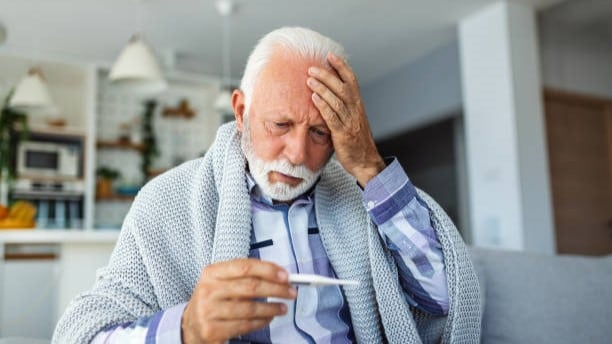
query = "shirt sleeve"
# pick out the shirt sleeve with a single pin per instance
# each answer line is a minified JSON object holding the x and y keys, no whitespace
{"x":403,"y":222}
{"x":161,"y":327}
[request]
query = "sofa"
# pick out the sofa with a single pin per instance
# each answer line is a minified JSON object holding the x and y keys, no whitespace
{"x":533,"y":298}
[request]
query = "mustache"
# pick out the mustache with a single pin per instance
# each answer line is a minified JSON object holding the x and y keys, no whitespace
{"x":287,"y":168}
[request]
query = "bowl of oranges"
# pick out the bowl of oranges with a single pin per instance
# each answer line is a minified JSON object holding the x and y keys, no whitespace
{"x":20,"y":215}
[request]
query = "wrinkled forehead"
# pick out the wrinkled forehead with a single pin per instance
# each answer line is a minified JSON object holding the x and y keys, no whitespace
{"x":285,"y":75}
{"x":281,"y":79}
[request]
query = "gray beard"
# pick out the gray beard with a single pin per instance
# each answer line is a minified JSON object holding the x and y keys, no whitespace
{"x":260,"y":169}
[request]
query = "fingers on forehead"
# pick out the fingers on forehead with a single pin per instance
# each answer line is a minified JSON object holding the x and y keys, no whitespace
{"x":341,"y":66}
{"x":330,"y":117}
{"x":331,"y":79}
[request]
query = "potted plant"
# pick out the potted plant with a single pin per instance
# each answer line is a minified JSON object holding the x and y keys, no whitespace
{"x":10,"y":119}
{"x":149,"y":141}
{"x":104,"y":185}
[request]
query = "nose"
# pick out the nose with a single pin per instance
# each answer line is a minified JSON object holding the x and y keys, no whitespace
{"x":295,"y":148}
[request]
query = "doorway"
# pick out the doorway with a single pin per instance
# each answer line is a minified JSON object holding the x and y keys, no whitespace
{"x":579,"y":133}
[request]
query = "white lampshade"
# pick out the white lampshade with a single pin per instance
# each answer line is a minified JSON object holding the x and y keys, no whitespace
{"x":32,"y":94}
{"x":136,"y":69}
{"x":223,"y":103}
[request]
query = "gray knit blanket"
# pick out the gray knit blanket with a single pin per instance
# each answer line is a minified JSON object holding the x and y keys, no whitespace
{"x":199,"y":213}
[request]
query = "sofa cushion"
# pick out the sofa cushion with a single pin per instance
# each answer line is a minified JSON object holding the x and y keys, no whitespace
{"x":532,"y":298}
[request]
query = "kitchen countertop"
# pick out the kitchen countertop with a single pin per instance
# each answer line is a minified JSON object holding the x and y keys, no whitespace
{"x":59,"y":236}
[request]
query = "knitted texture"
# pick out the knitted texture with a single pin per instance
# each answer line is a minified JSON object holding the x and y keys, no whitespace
{"x":199,"y":213}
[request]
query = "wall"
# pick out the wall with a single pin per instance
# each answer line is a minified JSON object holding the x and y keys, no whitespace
{"x":434,"y":172}
{"x":430,"y":89}
{"x":65,"y":84}
{"x":575,"y":60}
{"x":422,"y":92}
{"x":505,"y":141}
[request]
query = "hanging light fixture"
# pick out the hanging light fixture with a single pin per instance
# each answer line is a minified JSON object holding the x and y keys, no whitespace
{"x":31,"y":93}
{"x":223,"y":103}
{"x":136,"y":69}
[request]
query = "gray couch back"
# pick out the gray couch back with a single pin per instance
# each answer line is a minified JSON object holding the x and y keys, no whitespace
{"x":530,"y":298}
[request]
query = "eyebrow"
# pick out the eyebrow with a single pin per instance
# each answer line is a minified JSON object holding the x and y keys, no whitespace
{"x":276,"y":116}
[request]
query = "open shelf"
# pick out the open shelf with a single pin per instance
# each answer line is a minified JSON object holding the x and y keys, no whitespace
{"x":120,"y":145}
{"x":115,"y":197}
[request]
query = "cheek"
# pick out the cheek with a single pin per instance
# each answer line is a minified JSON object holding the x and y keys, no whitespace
{"x":267,"y":147}
{"x":318,"y":156}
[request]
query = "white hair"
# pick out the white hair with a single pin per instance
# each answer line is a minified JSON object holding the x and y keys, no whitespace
{"x":306,"y":43}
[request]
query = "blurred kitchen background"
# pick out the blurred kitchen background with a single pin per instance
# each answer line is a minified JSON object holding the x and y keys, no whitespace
{"x":501,"y":110}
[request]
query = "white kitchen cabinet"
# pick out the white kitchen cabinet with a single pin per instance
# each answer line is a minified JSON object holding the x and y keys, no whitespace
{"x":41,"y":271}
{"x":29,"y":302}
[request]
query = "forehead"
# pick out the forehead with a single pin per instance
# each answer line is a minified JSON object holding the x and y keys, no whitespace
{"x":281,"y":85}
{"x":284,"y":70}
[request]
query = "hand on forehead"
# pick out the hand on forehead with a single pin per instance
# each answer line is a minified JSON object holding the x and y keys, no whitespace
{"x":281,"y":87}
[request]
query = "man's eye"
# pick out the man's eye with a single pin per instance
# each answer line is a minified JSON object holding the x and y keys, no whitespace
{"x":278,"y":128}
{"x":320,"y":132}
{"x":320,"y":136}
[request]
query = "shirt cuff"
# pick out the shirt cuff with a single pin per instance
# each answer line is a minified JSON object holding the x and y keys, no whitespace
{"x":169,"y":326}
{"x":387,"y":193}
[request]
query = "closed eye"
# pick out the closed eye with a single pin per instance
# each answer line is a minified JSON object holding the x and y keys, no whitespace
{"x":320,"y":136}
{"x":278,"y":128}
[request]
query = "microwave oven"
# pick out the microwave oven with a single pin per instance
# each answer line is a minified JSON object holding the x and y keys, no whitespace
{"x":48,"y":159}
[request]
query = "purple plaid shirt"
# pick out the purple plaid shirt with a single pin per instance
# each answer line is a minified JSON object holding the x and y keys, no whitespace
{"x":288,"y":236}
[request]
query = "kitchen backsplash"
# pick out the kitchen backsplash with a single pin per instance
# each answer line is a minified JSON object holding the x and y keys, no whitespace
{"x":179,"y":138}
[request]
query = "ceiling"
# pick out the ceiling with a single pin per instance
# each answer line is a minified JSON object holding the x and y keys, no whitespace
{"x":379,"y":36}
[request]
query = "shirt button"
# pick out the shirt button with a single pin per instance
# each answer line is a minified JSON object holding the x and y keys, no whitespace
{"x":371,"y":204}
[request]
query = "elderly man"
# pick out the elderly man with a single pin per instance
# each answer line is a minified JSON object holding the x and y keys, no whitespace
{"x":206,"y":250}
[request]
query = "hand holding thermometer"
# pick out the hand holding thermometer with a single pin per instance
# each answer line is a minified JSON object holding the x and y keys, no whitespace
{"x":316,"y":280}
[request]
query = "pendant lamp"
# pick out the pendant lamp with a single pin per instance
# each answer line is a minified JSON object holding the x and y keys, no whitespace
{"x":31,"y":94}
{"x":136,"y":69}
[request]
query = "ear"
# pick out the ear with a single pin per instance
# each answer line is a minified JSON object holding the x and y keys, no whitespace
{"x":238,"y":106}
